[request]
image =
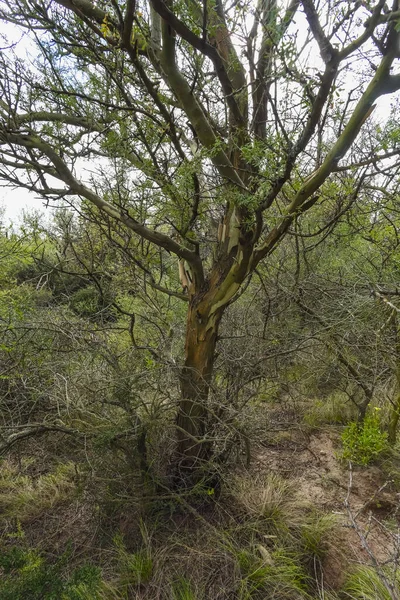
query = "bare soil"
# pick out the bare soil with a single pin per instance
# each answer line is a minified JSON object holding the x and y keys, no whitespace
{"x":365,"y":502}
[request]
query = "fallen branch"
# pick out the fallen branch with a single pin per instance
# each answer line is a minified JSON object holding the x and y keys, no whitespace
{"x":34,"y":430}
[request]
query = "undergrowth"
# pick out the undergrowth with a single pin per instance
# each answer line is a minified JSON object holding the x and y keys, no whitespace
{"x":262,"y":544}
{"x":364,"y":442}
{"x":26,"y":497}
{"x":336,"y":409}
{"x":26,"y":575}
{"x":254,"y":540}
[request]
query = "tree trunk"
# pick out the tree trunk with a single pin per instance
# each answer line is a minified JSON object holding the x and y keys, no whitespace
{"x":393,"y":421}
{"x":206,"y":307}
{"x":394,"y":415}
{"x":363,"y":406}
{"x":194,"y":449}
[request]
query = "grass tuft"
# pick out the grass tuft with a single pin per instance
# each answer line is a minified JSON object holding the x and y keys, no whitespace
{"x":314,"y":535}
{"x":269,"y":498}
{"x":366,"y":584}
{"x":279,"y":576}
{"x":182,"y":590}
{"x":135,"y":568}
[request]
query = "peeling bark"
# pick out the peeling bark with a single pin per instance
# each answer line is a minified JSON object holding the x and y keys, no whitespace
{"x":194,"y":447}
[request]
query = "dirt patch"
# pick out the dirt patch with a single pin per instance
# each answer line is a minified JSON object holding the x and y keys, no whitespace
{"x":363,"y":501}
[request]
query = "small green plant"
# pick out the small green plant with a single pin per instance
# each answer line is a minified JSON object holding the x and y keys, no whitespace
{"x":364,"y":442}
{"x":135,"y":568}
{"x":84,"y":584}
{"x":138,"y":567}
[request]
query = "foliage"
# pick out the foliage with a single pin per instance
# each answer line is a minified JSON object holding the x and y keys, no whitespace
{"x":89,"y":303}
{"x":364,"y":442}
{"x":188,"y":185}
{"x":26,"y":575}
{"x":335,"y":409}
{"x":225,"y":252}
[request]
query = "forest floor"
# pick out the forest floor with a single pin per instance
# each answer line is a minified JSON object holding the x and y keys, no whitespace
{"x":296,"y":498}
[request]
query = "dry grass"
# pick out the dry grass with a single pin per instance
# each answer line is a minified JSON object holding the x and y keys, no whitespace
{"x":269,"y":497}
{"x":26,"y":498}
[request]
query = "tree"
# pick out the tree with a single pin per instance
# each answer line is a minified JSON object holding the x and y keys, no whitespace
{"x":203,"y":132}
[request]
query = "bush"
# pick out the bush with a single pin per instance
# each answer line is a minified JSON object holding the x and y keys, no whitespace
{"x":364,"y":442}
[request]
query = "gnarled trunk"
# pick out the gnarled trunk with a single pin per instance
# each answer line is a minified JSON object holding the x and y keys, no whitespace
{"x":193,"y":448}
{"x":207,"y":304}
{"x":394,"y":420}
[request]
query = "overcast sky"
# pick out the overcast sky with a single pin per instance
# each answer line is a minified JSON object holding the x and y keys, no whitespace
{"x":15,"y":201}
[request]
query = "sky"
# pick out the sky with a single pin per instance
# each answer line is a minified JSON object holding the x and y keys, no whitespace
{"x":15,"y":201}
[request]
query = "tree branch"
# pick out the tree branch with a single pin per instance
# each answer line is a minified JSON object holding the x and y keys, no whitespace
{"x":63,"y":173}
{"x":49,"y":117}
{"x":302,"y":202}
{"x":325,"y":47}
{"x":34,"y":430}
{"x":189,"y":103}
{"x":205,"y":48}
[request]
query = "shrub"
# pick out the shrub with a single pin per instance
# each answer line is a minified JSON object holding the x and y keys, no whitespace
{"x":364,"y":442}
